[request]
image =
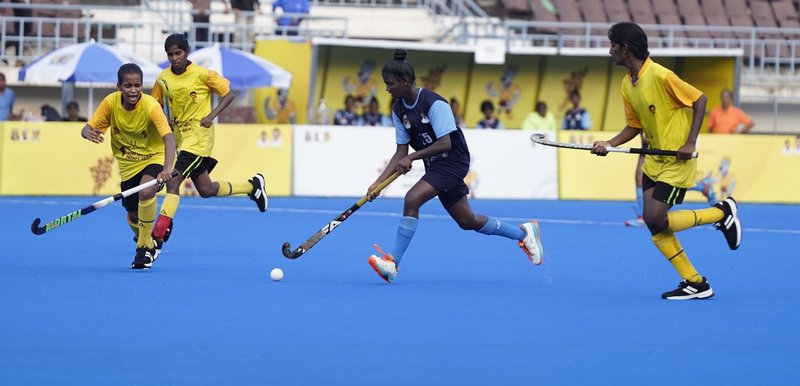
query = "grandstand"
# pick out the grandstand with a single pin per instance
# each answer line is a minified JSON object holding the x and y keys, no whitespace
{"x":763,"y":34}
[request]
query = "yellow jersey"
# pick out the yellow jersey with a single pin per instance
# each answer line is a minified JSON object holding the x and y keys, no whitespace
{"x":660,"y":104}
{"x":136,"y":135}
{"x":190,"y":96}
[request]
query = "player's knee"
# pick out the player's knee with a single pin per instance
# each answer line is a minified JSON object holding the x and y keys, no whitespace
{"x":174,"y":185}
{"x":206,"y":192}
{"x":133,"y":218}
{"x":656,"y":223}
{"x":147,"y":194}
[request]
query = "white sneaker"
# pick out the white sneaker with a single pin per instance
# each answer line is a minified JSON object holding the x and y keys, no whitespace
{"x":532,"y":243}
{"x":384,"y":266}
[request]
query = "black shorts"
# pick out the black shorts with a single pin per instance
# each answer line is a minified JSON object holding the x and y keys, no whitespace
{"x":664,"y":192}
{"x":448,"y":181}
{"x":191,"y":166}
{"x":131,"y":203}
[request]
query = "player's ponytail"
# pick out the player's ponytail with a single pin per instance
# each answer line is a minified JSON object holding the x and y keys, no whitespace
{"x":399,"y":67}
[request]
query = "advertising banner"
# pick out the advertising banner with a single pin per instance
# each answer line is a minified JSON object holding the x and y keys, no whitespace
{"x":342,"y":161}
{"x":51,"y":158}
{"x":751,"y":168}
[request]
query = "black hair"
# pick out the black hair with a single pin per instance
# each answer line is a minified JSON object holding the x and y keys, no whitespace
{"x":631,"y":36}
{"x":373,"y":99}
{"x":176,"y":40}
{"x":399,"y":67}
{"x":73,"y":103}
{"x":487,"y":104}
{"x":540,"y":104}
{"x":128,"y":68}
{"x":349,"y":97}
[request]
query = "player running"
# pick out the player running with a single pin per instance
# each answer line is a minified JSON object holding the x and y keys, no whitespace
{"x":144,"y":146}
{"x":424,"y":120}
{"x":669,"y":112}
{"x":190,"y":87}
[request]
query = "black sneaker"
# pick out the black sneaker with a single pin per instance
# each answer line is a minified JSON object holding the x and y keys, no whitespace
{"x":687,"y":290}
{"x":729,"y":225}
{"x":259,"y":193}
{"x":143,"y":259}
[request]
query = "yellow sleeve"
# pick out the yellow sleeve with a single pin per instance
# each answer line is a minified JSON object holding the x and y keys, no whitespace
{"x":217,"y":83}
{"x":159,"y":120}
{"x":157,"y":92}
{"x":631,"y":119}
{"x":682,"y":94}
{"x":101,"y":119}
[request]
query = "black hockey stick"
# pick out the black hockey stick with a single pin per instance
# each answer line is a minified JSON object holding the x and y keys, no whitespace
{"x":72,"y":216}
{"x":328,"y":228}
{"x":542,"y":140}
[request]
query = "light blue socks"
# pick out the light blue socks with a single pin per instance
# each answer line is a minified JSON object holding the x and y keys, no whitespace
{"x":405,"y":232}
{"x":496,"y":227}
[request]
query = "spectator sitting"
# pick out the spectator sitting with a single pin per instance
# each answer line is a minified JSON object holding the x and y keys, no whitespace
{"x":7,"y":99}
{"x":73,"y":109}
{"x":729,"y":119}
{"x":50,"y":113}
{"x":288,"y":25}
{"x":347,"y":116}
{"x":373,"y":116}
{"x":489,"y":121}
{"x":456,"y":107}
{"x":576,"y":118}
{"x":540,"y":120}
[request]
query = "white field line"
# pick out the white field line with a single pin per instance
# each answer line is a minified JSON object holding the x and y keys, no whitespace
{"x":362,"y":212}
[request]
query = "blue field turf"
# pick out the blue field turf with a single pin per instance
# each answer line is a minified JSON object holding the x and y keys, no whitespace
{"x":466,"y":309}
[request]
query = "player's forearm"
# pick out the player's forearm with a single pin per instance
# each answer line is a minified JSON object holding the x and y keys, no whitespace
{"x":169,"y":152}
{"x":222,"y":105}
{"x":627,"y":134}
{"x":698,"y":114}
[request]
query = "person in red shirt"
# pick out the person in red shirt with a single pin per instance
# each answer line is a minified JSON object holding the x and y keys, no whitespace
{"x":729,"y":119}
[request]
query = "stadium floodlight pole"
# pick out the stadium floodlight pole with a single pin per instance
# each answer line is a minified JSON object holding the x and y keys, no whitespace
{"x":329,"y":227}
{"x":72,"y":216}
{"x":542,"y":140}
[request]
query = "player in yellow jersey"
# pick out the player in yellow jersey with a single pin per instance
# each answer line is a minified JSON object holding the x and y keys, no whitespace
{"x":144,"y":146}
{"x":669,"y":112}
{"x":185,"y":90}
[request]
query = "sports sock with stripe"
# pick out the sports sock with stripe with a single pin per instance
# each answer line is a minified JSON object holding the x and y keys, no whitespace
{"x":147,"y":217}
{"x":227,"y":188}
{"x":684,"y":219}
{"x":134,"y":226}
{"x":168,"y":209}
{"x":671,"y":248}
{"x":639,"y":201}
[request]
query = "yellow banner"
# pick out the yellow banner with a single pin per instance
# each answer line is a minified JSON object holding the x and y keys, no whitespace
{"x":288,"y":106}
{"x":51,"y":158}
{"x":357,"y":71}
{"x":751,"y":168}
{"x":512,"y":88}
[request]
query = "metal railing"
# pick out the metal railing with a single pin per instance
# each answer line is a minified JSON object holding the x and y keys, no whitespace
{"x":23,"y":39}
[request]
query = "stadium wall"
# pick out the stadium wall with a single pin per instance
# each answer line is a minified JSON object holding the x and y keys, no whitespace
{"x":50,"y":158}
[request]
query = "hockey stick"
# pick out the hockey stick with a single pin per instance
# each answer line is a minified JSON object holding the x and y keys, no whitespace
{"x":542,"y":140}
{"x":313,"y":240}
{"x":72,"y":216}
{"x":166,"y":99}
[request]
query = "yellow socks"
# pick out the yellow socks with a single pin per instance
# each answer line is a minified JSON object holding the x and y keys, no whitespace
{"x":170,"y":205}
{"x":684,"y":219}
{"x":227,"y":188}
{"x":134,"y":226}
{"x":670,"y":247}
{"x":147,"y":216}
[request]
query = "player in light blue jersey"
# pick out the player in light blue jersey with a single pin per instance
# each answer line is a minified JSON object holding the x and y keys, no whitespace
{"x":424,"y":121}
